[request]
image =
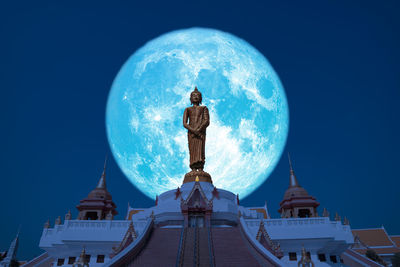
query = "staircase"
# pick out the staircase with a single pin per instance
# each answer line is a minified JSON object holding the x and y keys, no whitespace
{"x":230,"y":249}
{"x":198,"y":247}
{"x":203,"y":250}
{"x":188,"y":255}
{"x":161,"y":248}
{"x":195,"y":248}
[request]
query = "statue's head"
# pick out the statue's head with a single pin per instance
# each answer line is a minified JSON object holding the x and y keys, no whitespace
{"x":195,"y":97}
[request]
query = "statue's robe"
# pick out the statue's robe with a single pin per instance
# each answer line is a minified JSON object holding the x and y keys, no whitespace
{"x":198,"y":118}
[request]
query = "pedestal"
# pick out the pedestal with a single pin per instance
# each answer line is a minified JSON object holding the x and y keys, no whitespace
{"x":201,"y":176}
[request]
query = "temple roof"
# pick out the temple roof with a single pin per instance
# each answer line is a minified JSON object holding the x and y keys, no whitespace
{"x":389,"y":250}
{"x":296,"y":195}
{"x":374,"y":237}
{"x":396,"y":239}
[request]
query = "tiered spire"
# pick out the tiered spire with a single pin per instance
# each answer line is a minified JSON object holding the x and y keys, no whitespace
{"x":296,"y":200}
{"x":102,"y":182}
{"x":293,"y":180}
{"x":98,"y":204}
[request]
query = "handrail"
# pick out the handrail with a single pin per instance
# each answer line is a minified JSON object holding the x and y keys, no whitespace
{"x":267,"y":255}
{"x":180,"y":247}
{"x":38,"y":260}
{"x":210,"y":247}
{"x":364,"y":260}
{"x":183,"y":252}
{"x":196,"y":247}
{"x":134,"y":248}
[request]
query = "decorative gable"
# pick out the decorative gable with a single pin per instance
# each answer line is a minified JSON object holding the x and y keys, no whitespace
{"x":129,"y":237}
{"x":196,"y":204}
{"x":265,"y":240}
{"x":197,"y":199}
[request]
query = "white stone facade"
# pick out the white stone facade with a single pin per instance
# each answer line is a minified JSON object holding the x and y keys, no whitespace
{"x":98,"y":237}
{"x":318,"y":235}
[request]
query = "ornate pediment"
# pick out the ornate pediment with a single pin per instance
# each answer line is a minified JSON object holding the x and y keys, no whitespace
{"x":129,"y":237}
{"x":263,"y":237}
{"x":196,"y":200}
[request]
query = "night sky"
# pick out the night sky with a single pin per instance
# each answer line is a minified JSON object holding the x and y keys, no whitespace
{"x":339,"y":62}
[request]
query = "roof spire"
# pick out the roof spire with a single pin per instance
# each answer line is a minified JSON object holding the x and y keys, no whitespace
{"x":102,"y":181}
{"x":12,"y":251}
{"x":293,"y":180}
{"x":19,"y":231}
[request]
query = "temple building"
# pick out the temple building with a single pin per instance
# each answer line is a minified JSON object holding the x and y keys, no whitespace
{"x":198,"y":224}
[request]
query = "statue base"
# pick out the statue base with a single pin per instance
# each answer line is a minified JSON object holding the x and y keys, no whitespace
{"x":200,"y":176}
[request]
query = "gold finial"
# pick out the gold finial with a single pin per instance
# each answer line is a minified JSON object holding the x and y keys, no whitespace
{"x":325,"y":213}
{"x":109,"y":216}
{"x":47,"y":224}
{"x":197,"y":179}
{"x":58,"y":220}
{"x":337,"y":217}
{"x":68,"y":215}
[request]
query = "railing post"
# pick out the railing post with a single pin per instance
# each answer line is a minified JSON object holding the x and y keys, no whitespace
{"x":181,"y":246}
{"x":210,"y":247}
{"x":196,"y":247}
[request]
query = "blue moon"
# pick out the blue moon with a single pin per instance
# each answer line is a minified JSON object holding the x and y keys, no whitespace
{"x":249,"y":116}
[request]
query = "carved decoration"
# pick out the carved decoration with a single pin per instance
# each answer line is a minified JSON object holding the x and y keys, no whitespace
{"x":177,"y":193}
{"x":58,"y":220}
{"x":82,"y":261}
{"x":305,"y":261}
{"x":263,"y":237}
{"x":68,"y":216}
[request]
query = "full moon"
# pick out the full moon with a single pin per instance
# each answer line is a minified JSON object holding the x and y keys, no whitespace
{"x":247,"y":103}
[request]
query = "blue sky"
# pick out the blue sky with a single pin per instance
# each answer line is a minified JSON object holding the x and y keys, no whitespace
{"x":338,"y":61}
